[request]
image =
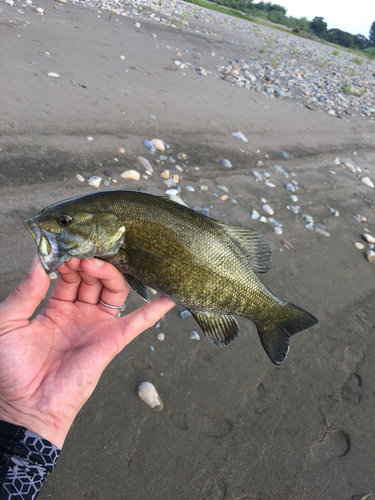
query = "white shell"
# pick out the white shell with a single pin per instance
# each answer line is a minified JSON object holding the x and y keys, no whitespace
{"x":368,"y":238}
{"x":53,"y":75}
{"x":367,"y":181}
{"x":149,"y":395}
{"x":131,"y":174}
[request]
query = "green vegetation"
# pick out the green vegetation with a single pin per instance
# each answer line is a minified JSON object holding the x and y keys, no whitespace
{"x":335,"y":52}
{"x":276,"y":13}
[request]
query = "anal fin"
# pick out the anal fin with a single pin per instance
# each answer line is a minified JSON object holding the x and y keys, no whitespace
{"x":141,"y":289}
{"x":220,"y":329}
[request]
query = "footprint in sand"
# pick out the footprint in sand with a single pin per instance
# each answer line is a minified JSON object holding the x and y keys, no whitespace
{"x":353,"y":356}
{"x":335,"y":444}
{"x":350,"y":391}
{"x":210,"y":425}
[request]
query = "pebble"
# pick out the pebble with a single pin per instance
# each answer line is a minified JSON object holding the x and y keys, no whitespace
{"x":89,"y":138}
{"x":165,"y":174}
{"x":184,"y":314}
{"x":190,"y":188}
{"x":336,"y":161}
{"x":367,"y":181}
{"x":53,"y":75}
{"x":285,"y":155}
{"x":160,"y":336}
{"x":281,"y":171}
{"x":149,"y":146}
{"x":131,"y":174}
{"x":232,"y":200}
{"x":294,"y":198}
{"x":194,"y":335}
{"x":80,"y":178}
{"x":239,"y":135}
{"x":359,"y":245}
{"x":171,"y":192}
{"x":202,"y":187}
{"x":278,"y":230}
{"x":290,"y":187}
{"x":106,"y":183}
{"x":147,"y":165}
{"x":268,"y":209}
{"x":158,"y":144}
{"x":137,"y":25}
{"x":95,"y":181}
{"x":368,"y":238}
{"x":149,"y":395}
{"x":224,"y":197}
{"x":350,"y":167}
{"x":222,"y":188}
{"x":334,"y":212}
{"x":263,"y":219}
{"x":226,"y":163}
{"x":53,"y":275}
{"x":322,"y":231}
{"x":370,"y":256}
{"x":255,"y":214}
{"x":121,"y":150}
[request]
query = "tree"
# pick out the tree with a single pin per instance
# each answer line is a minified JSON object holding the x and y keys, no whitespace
{"x":319,"y":26}
{"x":371,"y":36}
{"x":361,"y":41}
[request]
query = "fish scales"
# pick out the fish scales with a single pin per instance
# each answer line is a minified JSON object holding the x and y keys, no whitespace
{"x":200,"y":263}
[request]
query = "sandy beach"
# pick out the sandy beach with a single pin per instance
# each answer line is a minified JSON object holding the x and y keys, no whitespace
{"x":233,"y":426}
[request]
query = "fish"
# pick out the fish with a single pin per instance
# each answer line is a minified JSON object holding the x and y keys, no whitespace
{"x":205,"y":265}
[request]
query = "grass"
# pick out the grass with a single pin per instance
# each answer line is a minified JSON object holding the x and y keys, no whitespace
{"x":223,"y":10}
{"x":335,"y":52}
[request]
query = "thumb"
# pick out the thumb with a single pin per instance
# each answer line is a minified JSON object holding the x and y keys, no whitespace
{"x":23,"y":301}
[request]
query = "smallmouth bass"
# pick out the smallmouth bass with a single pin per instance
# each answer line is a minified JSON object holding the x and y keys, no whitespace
{"x":205,"y":265}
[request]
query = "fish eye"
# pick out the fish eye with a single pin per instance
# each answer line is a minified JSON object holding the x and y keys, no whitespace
{"x":64,"y":220}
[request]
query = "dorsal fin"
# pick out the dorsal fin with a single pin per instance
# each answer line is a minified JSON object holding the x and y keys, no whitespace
{"x":252,"y":244}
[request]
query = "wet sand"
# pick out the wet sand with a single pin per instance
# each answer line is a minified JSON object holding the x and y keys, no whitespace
{"x":233,"y":426}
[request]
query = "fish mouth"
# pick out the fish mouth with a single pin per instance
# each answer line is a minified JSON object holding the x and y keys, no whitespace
{"x":48,"y":246}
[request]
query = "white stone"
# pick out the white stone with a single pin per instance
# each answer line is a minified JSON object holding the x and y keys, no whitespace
{"x":359,"y":245}
{"x":322,"y":231}
{"x":160,"y":336}
{"x":149,"y":395}
{"x":367,"y":181}
{"x":53,"y":75}
{"x":53,"y":275}
{"x":368,"y":238}
{"x":194,"y":335}
{"x":370,"y":256}
{"x":89,"y":138}
{"x":268,"y":209}
{"x":39,"y":10}
{"x":80,"y":178}
{"x":95,"y":181}
{"x":350,"y":167}
{"x":131,"y":174}
{"x":278,"y":230}
{"x":10,"y":2}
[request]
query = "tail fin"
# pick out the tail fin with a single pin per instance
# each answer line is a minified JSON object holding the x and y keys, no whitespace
{"x":275,"y":334}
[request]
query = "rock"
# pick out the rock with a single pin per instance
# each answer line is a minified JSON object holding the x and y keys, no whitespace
{"x":255,"y":214}
{"x":367,"y":181}
{"x":202,"y":187}
{"x":89,"y":138}
{"x":80,"y":178}
{"x":239,"y":135}
{"x":165,"y":174}
{"x":359,"y":245}
{"x":121,"y":150}
{"x":222,"y":188}
{"x":331,"y":112}
{"x":131,"y":174}
{"x":184,"y":314}
{"x":263,"y":219}
{"x":290,"y":187}
{"x":182,"y":156}
{"x":281,"y":171}
{"x":176,"y":178}
{"x":194,"y":335}
{"x":336,"y":161}
{"x":370,"y":256}
{"x":294,"y":198}
{"x":160,"y":336}
{"x":224,"y":197}
{"x":158,"y":144}
{"x":285,"y":155}
{"x":106,"y":183}
{"x":278,"y":230}
{"x":39,"y":10}
{"x":9,"y":2}
{"x":147,"y":165}
{"x":321,"y":231}
{"x":53,"y":275}
{"x":368,"y":238}
{"x":137,"y":25}
{"x":56,"y":75}
{"x":268,"y":209}
{"x":95,"y":181}
{"x":190,"y":188}
{"x":149,"y":146}
{"x":226,"y":163}
{"x":334,"y":212}
{"x":350,"y":167}
{"x":149,"y":395}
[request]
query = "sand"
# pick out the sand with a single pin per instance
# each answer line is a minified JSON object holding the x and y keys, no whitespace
{"x":233,"y":426}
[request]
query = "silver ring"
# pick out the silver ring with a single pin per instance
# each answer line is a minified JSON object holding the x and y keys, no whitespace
{"x":121,"y":308}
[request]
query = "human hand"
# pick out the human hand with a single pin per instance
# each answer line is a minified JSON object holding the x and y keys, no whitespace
{"x":49,"y":366}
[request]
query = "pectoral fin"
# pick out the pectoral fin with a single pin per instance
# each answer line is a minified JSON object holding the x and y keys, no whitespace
{"x":252,"y":244}
{"x":141,"y":289}
{"x":221,"y":330}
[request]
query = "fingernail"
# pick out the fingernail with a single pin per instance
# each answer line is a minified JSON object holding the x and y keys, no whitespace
{"x":34,"y":263}
{"x":96,"y":262}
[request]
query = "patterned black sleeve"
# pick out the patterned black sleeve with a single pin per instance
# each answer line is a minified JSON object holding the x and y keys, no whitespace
{"x":25,"y":461}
